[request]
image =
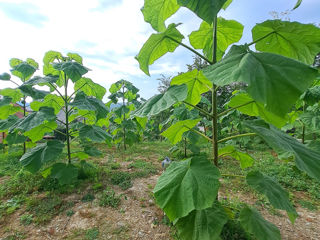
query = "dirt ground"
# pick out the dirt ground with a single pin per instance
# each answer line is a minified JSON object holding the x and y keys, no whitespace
{"x":137,"y":217}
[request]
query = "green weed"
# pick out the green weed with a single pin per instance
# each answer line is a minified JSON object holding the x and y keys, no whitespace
{"x":109,"y":198}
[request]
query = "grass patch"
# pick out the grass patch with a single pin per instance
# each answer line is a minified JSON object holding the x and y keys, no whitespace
{"x":109,"y":198}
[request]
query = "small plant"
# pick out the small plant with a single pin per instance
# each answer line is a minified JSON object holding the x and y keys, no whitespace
{"x":70,"y":213}
{"x":92,"y":234}
{"x":88,"y":198}
{"x":26,"y":219}
{"x":109,"y":198}
{"x":119,"y":177}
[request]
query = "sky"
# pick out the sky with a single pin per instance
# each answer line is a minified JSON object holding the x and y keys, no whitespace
{"x":108,"y":34}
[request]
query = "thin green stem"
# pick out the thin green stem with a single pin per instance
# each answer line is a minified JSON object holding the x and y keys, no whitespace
{"x":77,"y":91}
{"x":199,"y":133}
{"x":199,"y":109}
{"x":67,"y":117}
{"x":190,"y":49}
{"x":15,"y":83}
{"x":236,"y":136}
{"x":233,"y":108}
{"x":259,"y":39}
{"x":61,"y":121}
{"x":56,"y":89}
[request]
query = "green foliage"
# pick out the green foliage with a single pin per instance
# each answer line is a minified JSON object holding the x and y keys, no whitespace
{"x":254,"y":223}
{"x":277,"y":196}
{"x":262,"y":69}
{"x":157,"y":45}
{"x":26,"y":219}
{"x":290,"y":39}
{"x":245,"y":159}
{"x":176,"y":185}
{"x":109,"y":198}
{"x":228,"y":32}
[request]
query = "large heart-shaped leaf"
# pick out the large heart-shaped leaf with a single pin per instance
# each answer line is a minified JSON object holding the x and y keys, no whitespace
{"x":156,"y":12}
{"x":253,"y":108}
{"x":183,"y":188}
{"x":65,"y":173}
{"x":35,"y":119}
{"x":163,"y":101}
{"x":41,"y":154}
{"x":290,"y":39}
{"x":37,"y":133}
{"x":15,"y":94}
{"x":90,"y":88}
{"x":204,"y":224}
{"x":49,"y":58}
{"x":272,"y":79}
{"x":51,"y":100}
{"x":312,"y":95}
{"x":278,"y":197}
{"x":94,"y":133}
{"x":23,"y":70}
{"x":228,"y":32}
{"x":32,"y":92}
{"x":306,"y":159}
{"x":15,"y":138}
{"x":41,"y":80}
{"x":157,"y":45}
{"x":196,"y":82}
{"x":254,"y":223}
{"x":207,"y":10}
{"x":74,"y":70}
{"x":82,"y":101}
{"x":174,"y":132}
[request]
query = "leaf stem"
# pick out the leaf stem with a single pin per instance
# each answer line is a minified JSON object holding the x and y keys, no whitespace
{"x":259,"y":39}
{"x":199,"y":109}
{"x":199,"y":133}
{"x":15,"y":83}
{"x":77,"y":91}
{"x":236,"y":136}
{"x":233,"y":108}
{"x":190,"y":49}
{"x":56,"y":89}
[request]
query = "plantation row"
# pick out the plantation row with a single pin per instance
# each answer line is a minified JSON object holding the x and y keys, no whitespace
{"x":224,"y":100}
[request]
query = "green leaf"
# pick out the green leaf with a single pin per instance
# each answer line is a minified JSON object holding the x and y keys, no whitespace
{"x":290,"y":39}
{"x":32,"y":92}
{"x":23,"y":71}
{"x":41,"y":154}
{"x":64,"y":173}
{"x":311,"y":119}
{"x":254,"y":223}
{"x":35,"y":119}
{"x":142,"y":121}
{"x":15,"y":94}
{"x":196,"y":82}
{"x":312,"y":95}
{"x":278,"y":197}
{"x":37,"y":133}
{"x":5,"y":76}
{"x":204,"y":224}
{"x":162,"y":102}
{"x":41,"y":81}
{"x":228,"y":32}
{"x":92,"y":151}
{"x":207,"y":10}
{"x":73,"y":70}
{"x":298,"y":3}
{"x":90,"y":88}
{"x":174,"y":132}
{"x":5,"y":101}
{"x":94,"y":133}
{"x":226,"y":5}
{"x":157,"y":45}
{"x":49,"y":58}
{"x":283,"y":79}
{"x":83,"y":102}
{"x":182,"y":187}
{"x":51,"y":100}
{"x":7,"y":110}
{"x":15,"y":138}
{"x":254,"y":108}
{"x":7,"y":123}
{"x":245,"y":159}
{"x":76,"y":57}
{"x":156,"y":12}
{"x":306,"y":159}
